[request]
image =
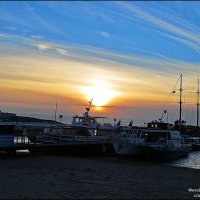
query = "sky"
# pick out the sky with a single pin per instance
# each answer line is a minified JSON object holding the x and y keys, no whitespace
{"x":126,"y":55}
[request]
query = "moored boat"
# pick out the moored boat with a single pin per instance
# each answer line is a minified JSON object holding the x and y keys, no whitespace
{"x":91,"y":123}
{"x":167,"y":146}
{"x":194,"y":142}
{"x":127,"y":142}
{"x":158,"y":141}
{"x":83,"y":128}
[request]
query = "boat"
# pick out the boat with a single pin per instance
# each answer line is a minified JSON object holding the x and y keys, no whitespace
{"x":11,"y":136}
{"x":71,"y":134}
{"x":164,"y":144}
{"x":91,"y":123}
{"x":7,"y":135}
{"x":194,"y":142}
{"x":84,"y":128}
{"x":127,"y":141}
{"x":157,"y":141}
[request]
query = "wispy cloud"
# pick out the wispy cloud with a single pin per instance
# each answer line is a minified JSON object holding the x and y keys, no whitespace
{"x":160,"y":65}
{"x":62,"y":51}
{"x":5,"y":35}
{"x":104,"y":34}
{"x":12,"y":28}
{"x":42,"y":46}
{"x":38,"y":70}
{"x":185,"y":36}
{"x":37,"y":36}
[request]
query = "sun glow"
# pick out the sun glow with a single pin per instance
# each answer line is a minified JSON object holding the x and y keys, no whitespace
{"x":100,"y":92}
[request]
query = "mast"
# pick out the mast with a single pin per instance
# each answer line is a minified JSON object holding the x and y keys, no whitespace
{"x":198,"y":104}
{"x":56,"y":111}
{"x":86,"y":114}
{"x":180,"y":102}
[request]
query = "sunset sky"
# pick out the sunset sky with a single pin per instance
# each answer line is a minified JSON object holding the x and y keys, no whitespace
{"x":127,"y":55}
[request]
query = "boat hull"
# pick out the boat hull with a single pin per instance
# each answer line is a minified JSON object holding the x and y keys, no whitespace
{"x":124,"y":148}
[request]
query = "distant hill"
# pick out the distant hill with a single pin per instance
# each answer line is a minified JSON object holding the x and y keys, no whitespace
{"x":24,"y":119}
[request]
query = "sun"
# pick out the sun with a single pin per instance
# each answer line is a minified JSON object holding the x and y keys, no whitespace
{"x":100,"y":92}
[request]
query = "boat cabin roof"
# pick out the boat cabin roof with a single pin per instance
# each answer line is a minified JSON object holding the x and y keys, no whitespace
{"x":89,"y":117}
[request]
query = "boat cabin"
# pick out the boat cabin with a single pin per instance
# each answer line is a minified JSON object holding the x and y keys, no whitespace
{"x":7,"y":134}
{"x":7,"y":129}
{"x":159,"y":125}
{"x":84,"y":120}
{"x":192,"y":140}
{"x":68,"y":131}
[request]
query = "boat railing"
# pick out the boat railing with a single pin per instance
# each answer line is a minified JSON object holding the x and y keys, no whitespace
{"x":83,"y":139}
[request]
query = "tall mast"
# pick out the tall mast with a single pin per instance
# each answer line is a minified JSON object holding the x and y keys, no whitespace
{"x":198,"y":104}
{"x":56,"y":111}
{"x":180,"y":102}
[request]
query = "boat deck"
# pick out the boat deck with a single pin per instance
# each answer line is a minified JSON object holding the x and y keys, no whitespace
{"x":68,"y":148}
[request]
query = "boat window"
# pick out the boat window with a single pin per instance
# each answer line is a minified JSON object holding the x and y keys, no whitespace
{"x":162,"y":141}
{"x":75,"y":131}
{"x":95,"y":132}
{"x":188,"y":140}
{"x":154,"y":136}
{"x":57,"y":130}
{"x":138,"y":133}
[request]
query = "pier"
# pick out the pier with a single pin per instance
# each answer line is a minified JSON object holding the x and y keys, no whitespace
{"x":80,"y":148}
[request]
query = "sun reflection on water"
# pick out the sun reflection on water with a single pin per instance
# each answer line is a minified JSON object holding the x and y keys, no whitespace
{"x":192,"y":161}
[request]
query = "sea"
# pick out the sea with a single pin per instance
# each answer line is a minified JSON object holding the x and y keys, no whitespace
{"x":192,"y":161}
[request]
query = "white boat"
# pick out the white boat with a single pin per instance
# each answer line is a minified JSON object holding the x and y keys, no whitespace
{"x":65,"y":133}
{"x":156,"y":141}
{"x":91,"y":123}
{"x":84,"y":128}
{"x":164,"y":145}
{"x":127,"y":142}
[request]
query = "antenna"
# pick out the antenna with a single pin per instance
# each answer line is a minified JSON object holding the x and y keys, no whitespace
{"x":56,"y":111}
{"x":164,"y":111}
{"x":180,"y":102}
{"x":86,"y":114}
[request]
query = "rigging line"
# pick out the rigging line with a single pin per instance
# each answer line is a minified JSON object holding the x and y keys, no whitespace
{"x":191,"y":76}
{"x":170,"y":101}
{"x":186,"y":113}
{"x":188,"y":117}
{"x":173,"y":113}
{"x":191,"y":115}
{"x":171,"y":92}
{"x":193,"y":89}
{"x":192,"y":112}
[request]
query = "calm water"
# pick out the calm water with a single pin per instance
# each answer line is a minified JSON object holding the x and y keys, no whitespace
{"x":192,"y":161}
